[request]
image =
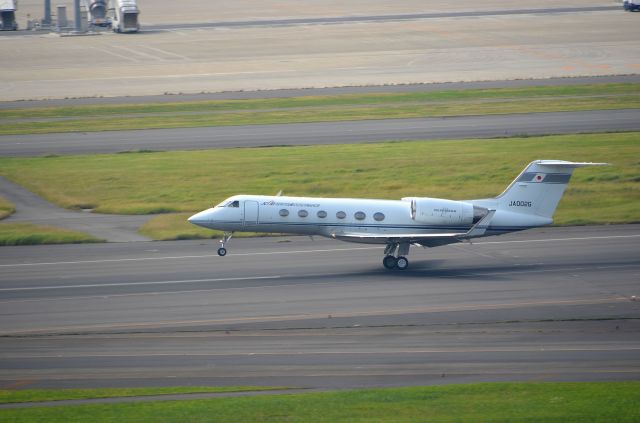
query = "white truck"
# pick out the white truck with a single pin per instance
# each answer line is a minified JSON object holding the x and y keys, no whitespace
{"x":8,"y":15}
{"x":631,"y":5}
{"x":97,"y":15}
{"x":125,"y":18}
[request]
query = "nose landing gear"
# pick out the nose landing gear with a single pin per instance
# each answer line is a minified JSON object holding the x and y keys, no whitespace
{"x":225,"y":238}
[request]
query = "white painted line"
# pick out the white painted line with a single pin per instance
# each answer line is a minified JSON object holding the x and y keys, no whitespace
{"x":186,"y":257}
{"x":559,"y":271}
{"x":181,"y":353}
{"x":167,"y":53}
{"x":557,"y":239}
{"x":98,"y":285}
{"x":379,"y":246}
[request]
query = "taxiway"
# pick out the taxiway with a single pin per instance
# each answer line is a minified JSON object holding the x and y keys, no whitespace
{"x":315,"y":133}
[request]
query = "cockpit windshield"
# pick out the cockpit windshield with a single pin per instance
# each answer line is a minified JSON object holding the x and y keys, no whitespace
{"x":233,"y":204}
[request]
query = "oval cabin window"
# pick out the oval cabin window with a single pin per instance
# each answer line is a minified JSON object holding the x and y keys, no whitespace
{"x":360,"y":215}
{"x":378,"y":217}
{"x":284,"y":212}
{"x":322,"y":214}
{"x":341,"y":215}
{"x":303,"y":213}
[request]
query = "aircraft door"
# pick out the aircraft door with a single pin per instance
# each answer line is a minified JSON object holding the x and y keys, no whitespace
{"x":250,"y":213}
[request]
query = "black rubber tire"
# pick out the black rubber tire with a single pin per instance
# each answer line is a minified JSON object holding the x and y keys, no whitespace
{"x":402,"y":263}
{"x":222,"y":252}
{"x":389,"y":262}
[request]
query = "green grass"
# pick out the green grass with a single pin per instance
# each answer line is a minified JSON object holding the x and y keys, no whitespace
{"x":319,"y":108}
{"x":191,"y":181}
{"x":489,"y":402}
{"x":38,"y":395}
{"x":29,"y":234}
{"x":6,"y":208}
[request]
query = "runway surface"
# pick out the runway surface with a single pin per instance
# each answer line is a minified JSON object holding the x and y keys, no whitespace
{"x":546,"y":304}
{"x":321,"y":133}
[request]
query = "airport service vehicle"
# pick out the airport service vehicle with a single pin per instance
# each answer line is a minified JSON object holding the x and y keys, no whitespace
{"x":528,"y":202}
{"x":631,"y":5}
{"x":126,"y":16}
{"x":8,"y":15}
{"x":97,"y":12}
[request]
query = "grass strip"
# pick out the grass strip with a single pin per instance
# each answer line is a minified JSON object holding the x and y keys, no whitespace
{"x":320,"y":108}
{"x":188,"y":181}
{"x":487,"y":402}
{"x":29,"y":234}
{"x":328,"y":100}
{"x":327,"y":114}
{"x":6,"y":208}
{"x":39,"y":395}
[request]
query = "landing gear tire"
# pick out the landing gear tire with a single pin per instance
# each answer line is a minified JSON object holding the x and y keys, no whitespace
{"x":402,"y":263}
{"x":389,"y":262}
{"x":225,"y":238}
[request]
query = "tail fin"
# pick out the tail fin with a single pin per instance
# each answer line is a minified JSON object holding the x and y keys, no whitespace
{"x":539,"y":188}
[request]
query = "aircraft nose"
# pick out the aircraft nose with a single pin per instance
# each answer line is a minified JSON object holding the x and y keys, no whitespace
{"x":199,"y":219}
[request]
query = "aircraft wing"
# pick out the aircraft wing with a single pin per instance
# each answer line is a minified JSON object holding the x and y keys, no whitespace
{"x":427,"y":240}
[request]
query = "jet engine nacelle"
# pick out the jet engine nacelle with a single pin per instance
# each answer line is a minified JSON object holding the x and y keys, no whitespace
{"x":436,"y":211}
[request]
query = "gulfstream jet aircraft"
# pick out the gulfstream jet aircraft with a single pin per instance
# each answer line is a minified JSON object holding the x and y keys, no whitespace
{"x":529,"y":201}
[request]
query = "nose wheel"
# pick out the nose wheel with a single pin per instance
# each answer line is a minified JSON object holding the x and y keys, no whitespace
{"x":225,"y":238}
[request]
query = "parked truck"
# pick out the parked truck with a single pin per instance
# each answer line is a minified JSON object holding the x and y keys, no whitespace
{"x":125,"y":17}
{"x":97,"y":15}
{"x":8,"y":15}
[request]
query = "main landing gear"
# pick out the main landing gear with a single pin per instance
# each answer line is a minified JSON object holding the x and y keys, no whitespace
{"x":399,"y":261}
{"x":225,"y":238}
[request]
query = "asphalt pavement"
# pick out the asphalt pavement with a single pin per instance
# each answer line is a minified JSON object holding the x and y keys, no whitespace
{"x":34,"y":209}
{"x":546,"y":304}
{"x":334,"y":20}
{"x":348,"y":132}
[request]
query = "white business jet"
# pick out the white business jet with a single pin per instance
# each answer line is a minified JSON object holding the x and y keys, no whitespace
{"x":528,"y":202}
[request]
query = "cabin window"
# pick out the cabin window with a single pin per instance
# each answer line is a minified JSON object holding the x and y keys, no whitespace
{"x":284,"y":212}
{"x":303,"y":213}
{"x":360,"y":215}
{"x":378,"y":217}
{"x":322,"y":214}
{"x":341,"y":215}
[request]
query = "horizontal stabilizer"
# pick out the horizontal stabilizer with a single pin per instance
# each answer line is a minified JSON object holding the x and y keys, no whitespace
{"x":566,"y":164}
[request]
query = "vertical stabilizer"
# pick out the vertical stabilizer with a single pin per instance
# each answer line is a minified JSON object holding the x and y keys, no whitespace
{"x":539,"y":188}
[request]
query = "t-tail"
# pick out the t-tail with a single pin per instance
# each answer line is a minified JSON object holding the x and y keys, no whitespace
{"x":532,"y":198}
